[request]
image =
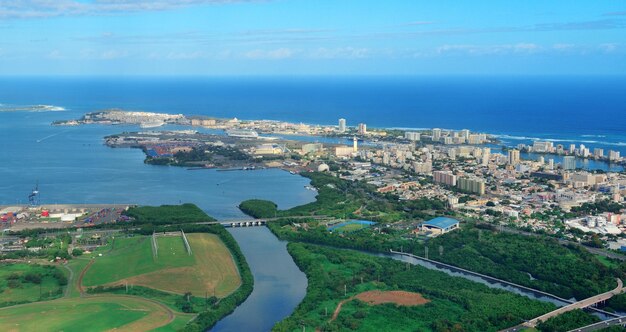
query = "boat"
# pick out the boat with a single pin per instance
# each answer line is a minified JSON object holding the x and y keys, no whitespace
{"x":242,"y":133}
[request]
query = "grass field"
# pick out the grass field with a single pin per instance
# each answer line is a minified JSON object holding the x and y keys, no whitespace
{"x":99,"y":313}
{"x":23,"y":291}
{"x":210,"y":268}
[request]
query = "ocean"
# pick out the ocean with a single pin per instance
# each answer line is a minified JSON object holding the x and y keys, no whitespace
{"x":579,"y":110}
{"x":566,"y":110}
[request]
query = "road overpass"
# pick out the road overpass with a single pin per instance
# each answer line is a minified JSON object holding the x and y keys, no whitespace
{"x":577,"y":305}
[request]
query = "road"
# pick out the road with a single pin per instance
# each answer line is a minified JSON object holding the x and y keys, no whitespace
{"x":578,"y":305}
{"x":601,"y":325}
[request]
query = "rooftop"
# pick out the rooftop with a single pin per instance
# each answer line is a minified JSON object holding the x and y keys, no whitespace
{"x":441,"y":222}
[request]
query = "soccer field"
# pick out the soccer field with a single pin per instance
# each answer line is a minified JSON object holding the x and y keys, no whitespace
{"x":209,"y":270}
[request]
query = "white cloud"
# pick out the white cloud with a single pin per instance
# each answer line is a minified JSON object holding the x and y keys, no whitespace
{"x":277,"y":54}
{"x":520,"y":48}
{"x":51,"y":8}
{"x":340,"y":53}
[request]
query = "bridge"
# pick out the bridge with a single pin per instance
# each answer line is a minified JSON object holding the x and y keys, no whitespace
{"x":619,"y":321}
{"x":508,"y":283}
{"x":255,"y":222}
{"x":578,"y":305}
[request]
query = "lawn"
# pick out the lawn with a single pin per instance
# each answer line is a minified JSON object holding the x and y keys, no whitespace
{"x":85,"y":314}
{"x":209,"y":271}
{"x":133,"y":256}
{"x":15,"y":287}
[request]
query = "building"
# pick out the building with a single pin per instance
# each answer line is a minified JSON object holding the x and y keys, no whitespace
{"x":614,"y":155}
{"x":543,"y":146}
{"x":436,"y":134}
{"x":423,"y":167}
{"x":412,"y":136}
{"x":513,"y":157}
{"x":362,"y":129}
{"x":355,"y":145}
{"x":597,"y":152}
{"x":444,"y":177}
{"x":471,"y":185}
{"x":569,"y":163}
{"x":342,"y":125}
{"x":265,"y":149}
{"x":440,"y":225}
{"x":486,"y":156}
{"x":344,"y":151}
{"x":465,"y":133}
{"x":312,"y":148}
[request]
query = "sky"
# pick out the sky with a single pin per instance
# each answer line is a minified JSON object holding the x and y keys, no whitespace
{"x":312,"y":37}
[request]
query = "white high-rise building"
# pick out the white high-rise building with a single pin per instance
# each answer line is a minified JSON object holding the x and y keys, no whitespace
{"x":514,"y":157}
{"x":569,"y":163}
{"x":486,"y":156}
{"x":551,"y":164}
{"x":412,"y":136}
{"x":613,"y":155}
{"x":465,"y":133}
{"x":436,"y":134}
{"x":362,"y":129}
{"x":342,"y":125}
{"x":572,"y":148}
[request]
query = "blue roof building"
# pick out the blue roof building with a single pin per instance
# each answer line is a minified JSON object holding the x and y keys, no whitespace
{"x":440,"y":225}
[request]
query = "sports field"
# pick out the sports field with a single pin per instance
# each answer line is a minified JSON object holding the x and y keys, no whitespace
{"x":98,"y":313}
{"x":209,"y":270}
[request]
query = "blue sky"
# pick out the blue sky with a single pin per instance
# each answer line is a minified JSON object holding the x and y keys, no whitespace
{"x":312,"y":37}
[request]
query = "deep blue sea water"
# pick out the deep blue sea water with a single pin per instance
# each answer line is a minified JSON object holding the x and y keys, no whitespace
{"x":587,"y":110}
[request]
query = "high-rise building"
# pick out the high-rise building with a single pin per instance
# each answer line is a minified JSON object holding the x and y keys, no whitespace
{"x":572,"y":148}
{"x":444,"y":177}
{"x":597,"y":152}
{"x":472,"y":185}
{"x":613,"y":155}
{"x":465,"y":133}
{"x":355,"y":146}
{"x":436,"y":134}
{"x":412,"y":136}
{"x":541,"y":160}
{"x":486,"y":156}
{"x":513,"y":157}
{"x":551,"y":164}
{"x":569,"y":163}
{"x":342,"y":125}
{"x":362,"y":129}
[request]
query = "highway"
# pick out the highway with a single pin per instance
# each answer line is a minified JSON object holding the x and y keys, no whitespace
{"x":601,"y":325}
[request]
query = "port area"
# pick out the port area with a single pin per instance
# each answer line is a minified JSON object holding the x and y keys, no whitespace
{"x":195,"y":151}
{"x":55,"y":216}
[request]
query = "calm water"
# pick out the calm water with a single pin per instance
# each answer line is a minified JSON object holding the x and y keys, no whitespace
{"x":279,"y":286}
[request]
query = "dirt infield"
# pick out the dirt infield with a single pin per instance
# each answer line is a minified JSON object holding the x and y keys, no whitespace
{"x":398,"y":297}
{"x":376,"y":297}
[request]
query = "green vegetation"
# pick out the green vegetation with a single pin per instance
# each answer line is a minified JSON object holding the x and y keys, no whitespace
{"x":167,"y":214}
{"x":133,"y":256}
{"x":162,"y":292}
{"x":567,"y":321}
{"x":259,"y":208}
{"x":346,"y":199}
{"x":85,"y":314}
{"x":456,"y":304}
{"x":24,"y":283}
